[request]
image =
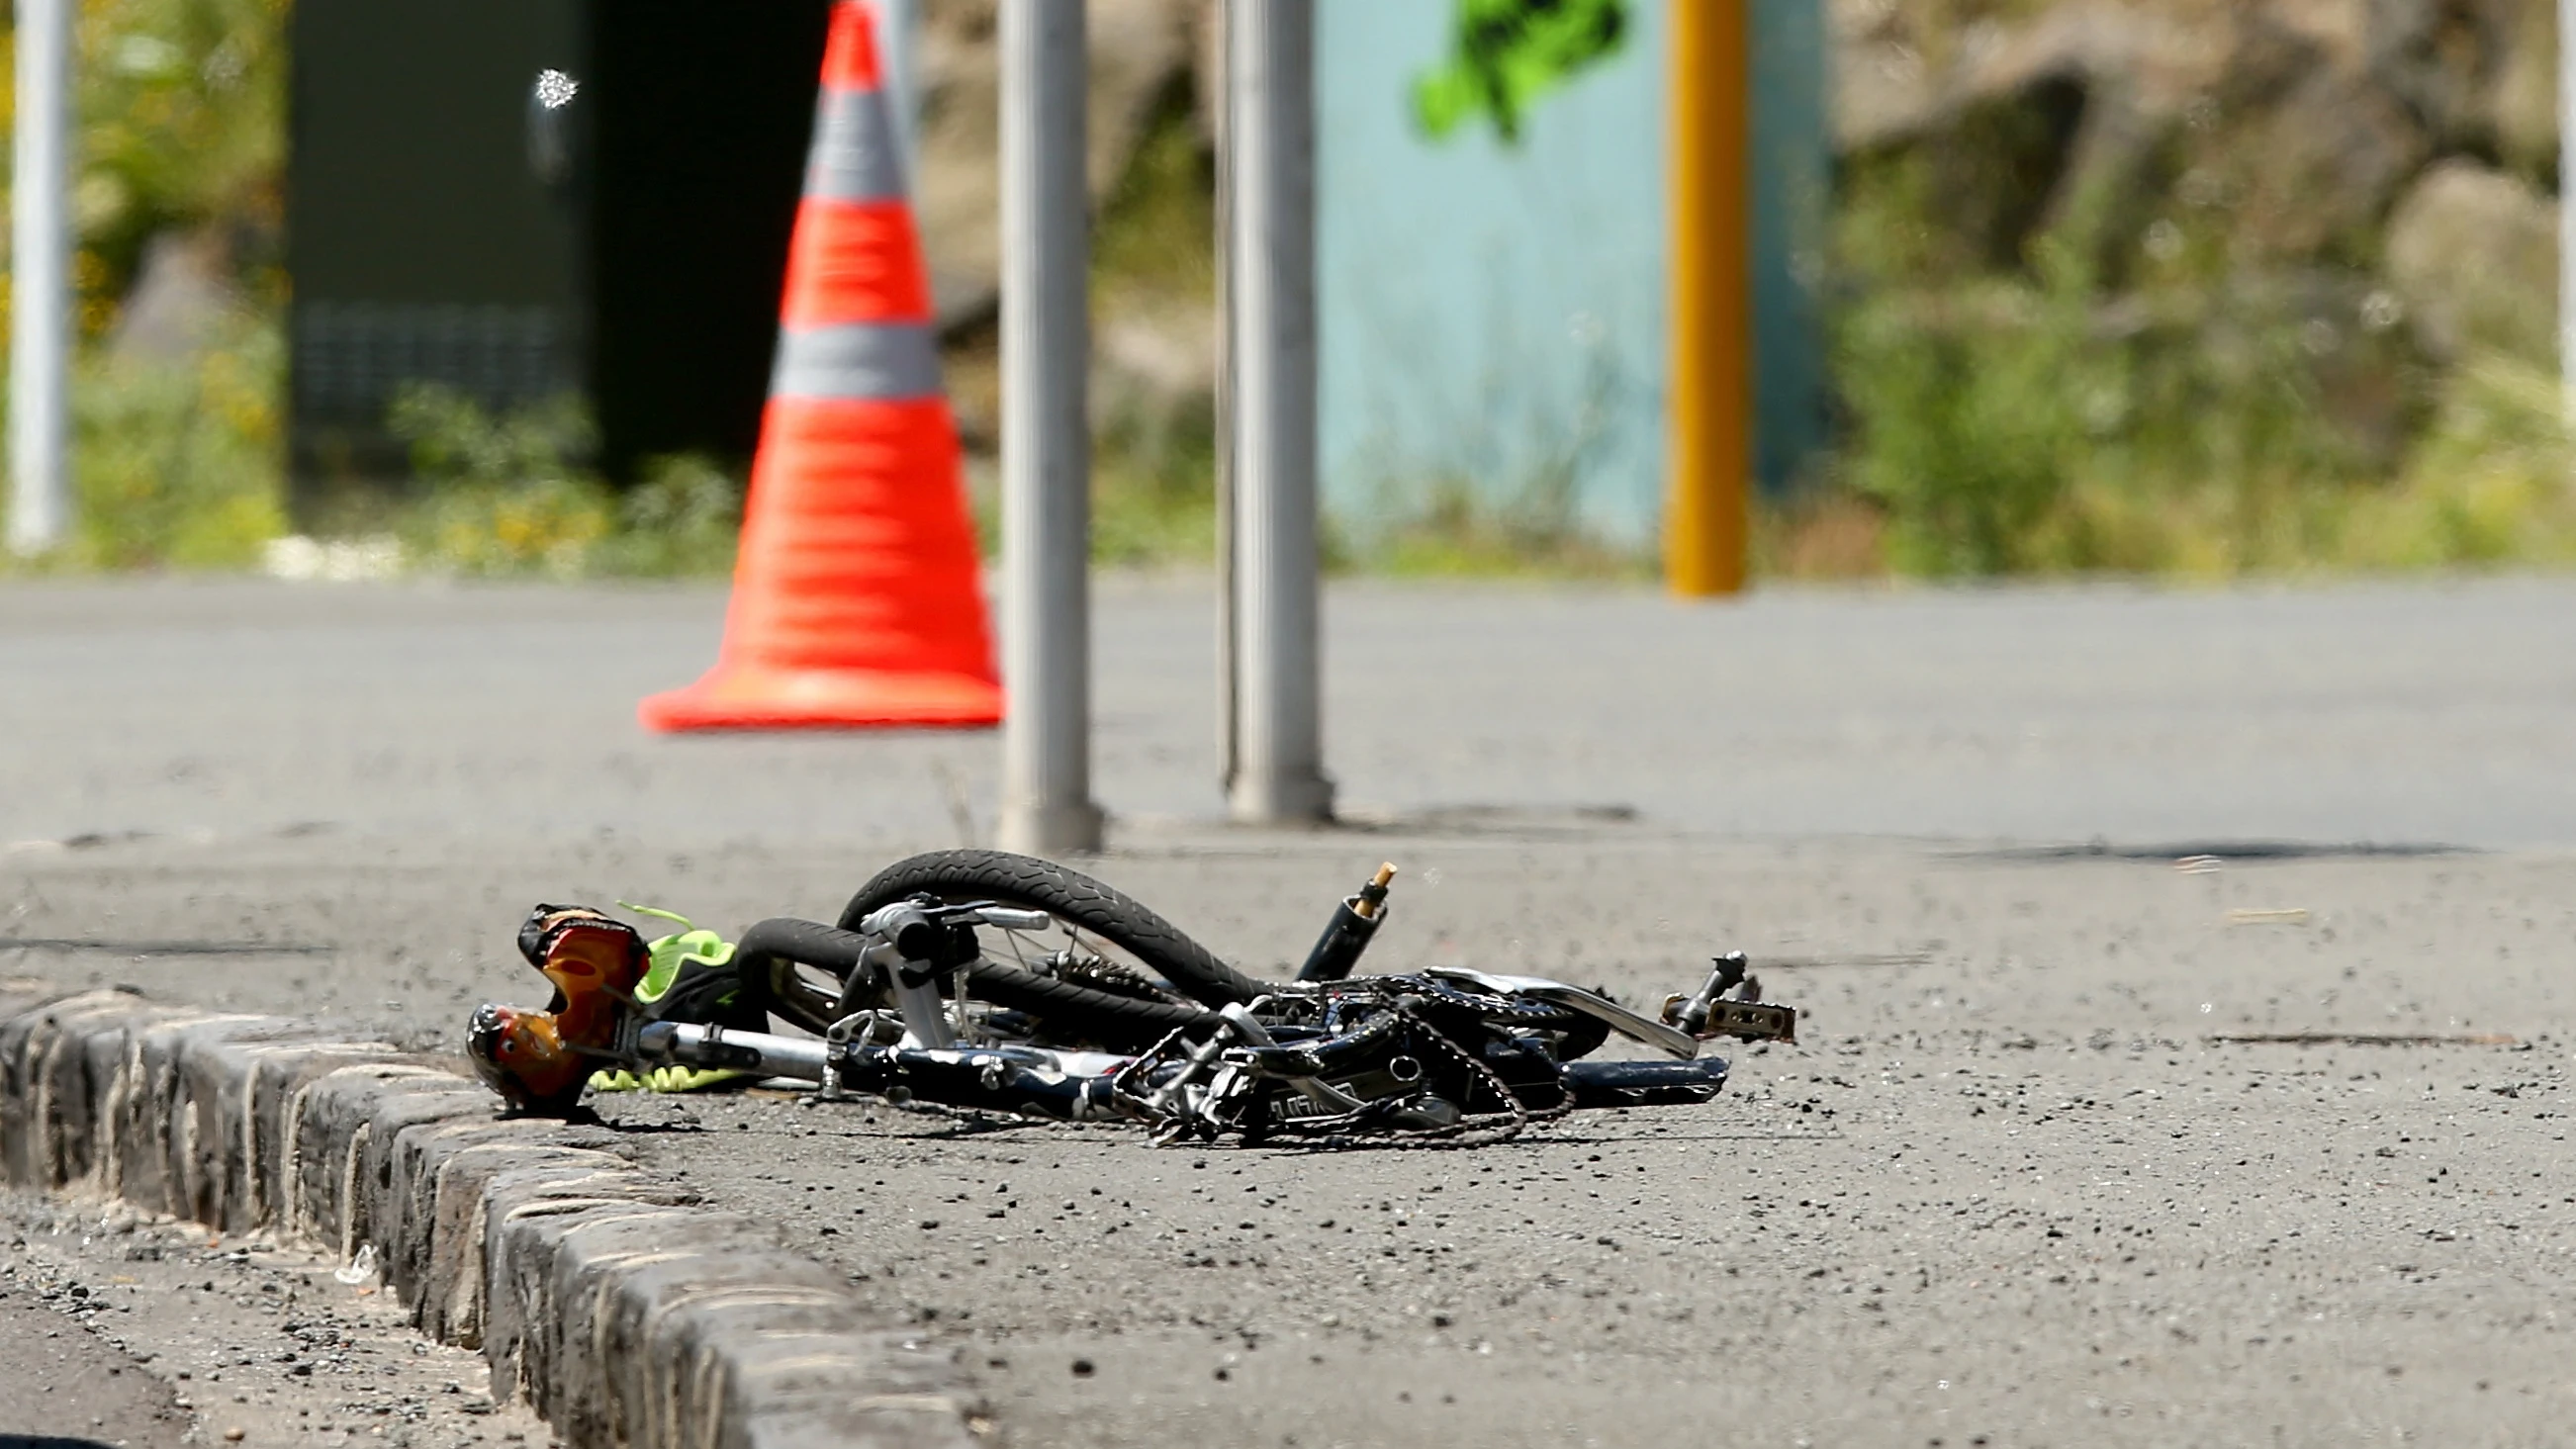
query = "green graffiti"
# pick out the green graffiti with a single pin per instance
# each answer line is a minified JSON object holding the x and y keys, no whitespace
{"x":1505,"y":54}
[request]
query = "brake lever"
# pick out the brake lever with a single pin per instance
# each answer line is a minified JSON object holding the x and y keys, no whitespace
{"x":1003,"y":918}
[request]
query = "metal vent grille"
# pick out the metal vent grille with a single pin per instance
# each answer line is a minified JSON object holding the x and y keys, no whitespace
{"x":352,"y":357}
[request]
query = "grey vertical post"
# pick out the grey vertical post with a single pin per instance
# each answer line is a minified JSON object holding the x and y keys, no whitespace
{"x":1226,"y":733}
{"x":1046,"y":433}
{"x":2567,"y":204}
{"x":40,"y":282}
{"x":1270,"y":339}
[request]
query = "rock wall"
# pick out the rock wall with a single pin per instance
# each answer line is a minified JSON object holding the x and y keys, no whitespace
{"x":1139,"y":49}
{"x":2410,"y":142}
{"x":1157,"y":358}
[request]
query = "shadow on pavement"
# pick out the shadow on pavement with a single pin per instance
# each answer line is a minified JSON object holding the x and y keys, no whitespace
{"x":2221,"y":850}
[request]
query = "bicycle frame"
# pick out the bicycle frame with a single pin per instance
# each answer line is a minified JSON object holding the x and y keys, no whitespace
{"x":1445,"y":1052}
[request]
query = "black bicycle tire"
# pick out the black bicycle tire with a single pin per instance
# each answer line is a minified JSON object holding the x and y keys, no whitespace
{"x":774,"y":946}
{"x":1121,"y":1023}
{"x":1069,"y":896}
{"x":770,"y":949}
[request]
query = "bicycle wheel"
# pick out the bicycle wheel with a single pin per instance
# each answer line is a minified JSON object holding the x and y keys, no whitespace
{"x":1088,"y":914}
{"x":794,"y":970}
{"x":1138,"y":975}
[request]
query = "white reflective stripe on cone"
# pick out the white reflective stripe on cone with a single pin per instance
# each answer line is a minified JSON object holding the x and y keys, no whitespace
{"x":854,"y":156}
{"x":882,"y":361}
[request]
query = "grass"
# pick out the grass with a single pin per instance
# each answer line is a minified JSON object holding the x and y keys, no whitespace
{"x":1154,"y":265}
{"x":175,"y":466}
{"x":1453,"y":527}
{"x":2492,"y":483}
{"x":179,"y":468}
{"x":2489,"y":484}
{"x":2151,"y":407}
{"x":510,"y":495}
{"x":1153,"y":498}
{"x":2003,"y":438}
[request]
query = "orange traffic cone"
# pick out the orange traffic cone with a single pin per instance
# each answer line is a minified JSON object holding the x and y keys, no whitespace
{"x":855,"y":596}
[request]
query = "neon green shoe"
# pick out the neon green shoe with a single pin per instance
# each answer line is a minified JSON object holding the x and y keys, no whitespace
{"x":690,"y":978}
{"x":667,"y":1079}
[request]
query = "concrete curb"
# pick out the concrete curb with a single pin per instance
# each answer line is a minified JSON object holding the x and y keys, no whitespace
{"x":626,"y":1313}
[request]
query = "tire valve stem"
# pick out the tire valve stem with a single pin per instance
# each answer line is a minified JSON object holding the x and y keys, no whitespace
{"x":1354,"y":923}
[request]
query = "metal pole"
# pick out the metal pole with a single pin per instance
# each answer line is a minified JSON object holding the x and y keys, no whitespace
{"x":2567,"y":205}
{"x":1226,"y":732}
{"x":1709,"y":414}
{"x":1270,"y":292}
{"x":1046,"y":433}
{"x":40,"y":282}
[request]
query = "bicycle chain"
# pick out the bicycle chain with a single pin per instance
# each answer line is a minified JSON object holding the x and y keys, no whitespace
{"x":1485,"y":1005}
{"x":1479,"y":1130}
{"x":1102,"y":974}
{"x":1470,"y":1130}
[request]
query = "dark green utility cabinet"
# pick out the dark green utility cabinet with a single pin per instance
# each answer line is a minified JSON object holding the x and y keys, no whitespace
{"x":628,"y":248}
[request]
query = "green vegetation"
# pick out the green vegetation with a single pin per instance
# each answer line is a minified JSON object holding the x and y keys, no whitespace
{"x":1508,"y":53}
{"x":1154,"y":275}
{"x":177,"y":464}
{"x":2121,"y":391}
{"x":2491,"y":483}
{"x":505,"y":496}
{"x":2040,"y":369}
{"x":1153,"y":491}
{"x":2004,"y":428}
{"x":1453,"y":528}
{"x":2038,"y":457}
{"x":498,"y":496}
{"x":1154,"y":244}
{"x":182,"y":107}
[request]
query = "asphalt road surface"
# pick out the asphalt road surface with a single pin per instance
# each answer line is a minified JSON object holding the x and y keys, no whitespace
{"x":2020,"y":1184}
{"x":2387,"y":714}
{"x":62,"y":1388}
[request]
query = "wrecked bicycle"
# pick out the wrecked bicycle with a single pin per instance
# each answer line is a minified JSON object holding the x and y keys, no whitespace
{"x":993,"y":982}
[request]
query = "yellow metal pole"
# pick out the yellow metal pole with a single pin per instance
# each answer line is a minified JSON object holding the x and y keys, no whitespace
{"x":1710,"y":412}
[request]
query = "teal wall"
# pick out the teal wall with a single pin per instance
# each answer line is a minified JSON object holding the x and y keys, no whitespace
{"x":1494,"y":314}
{"x":1792,"y":184}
